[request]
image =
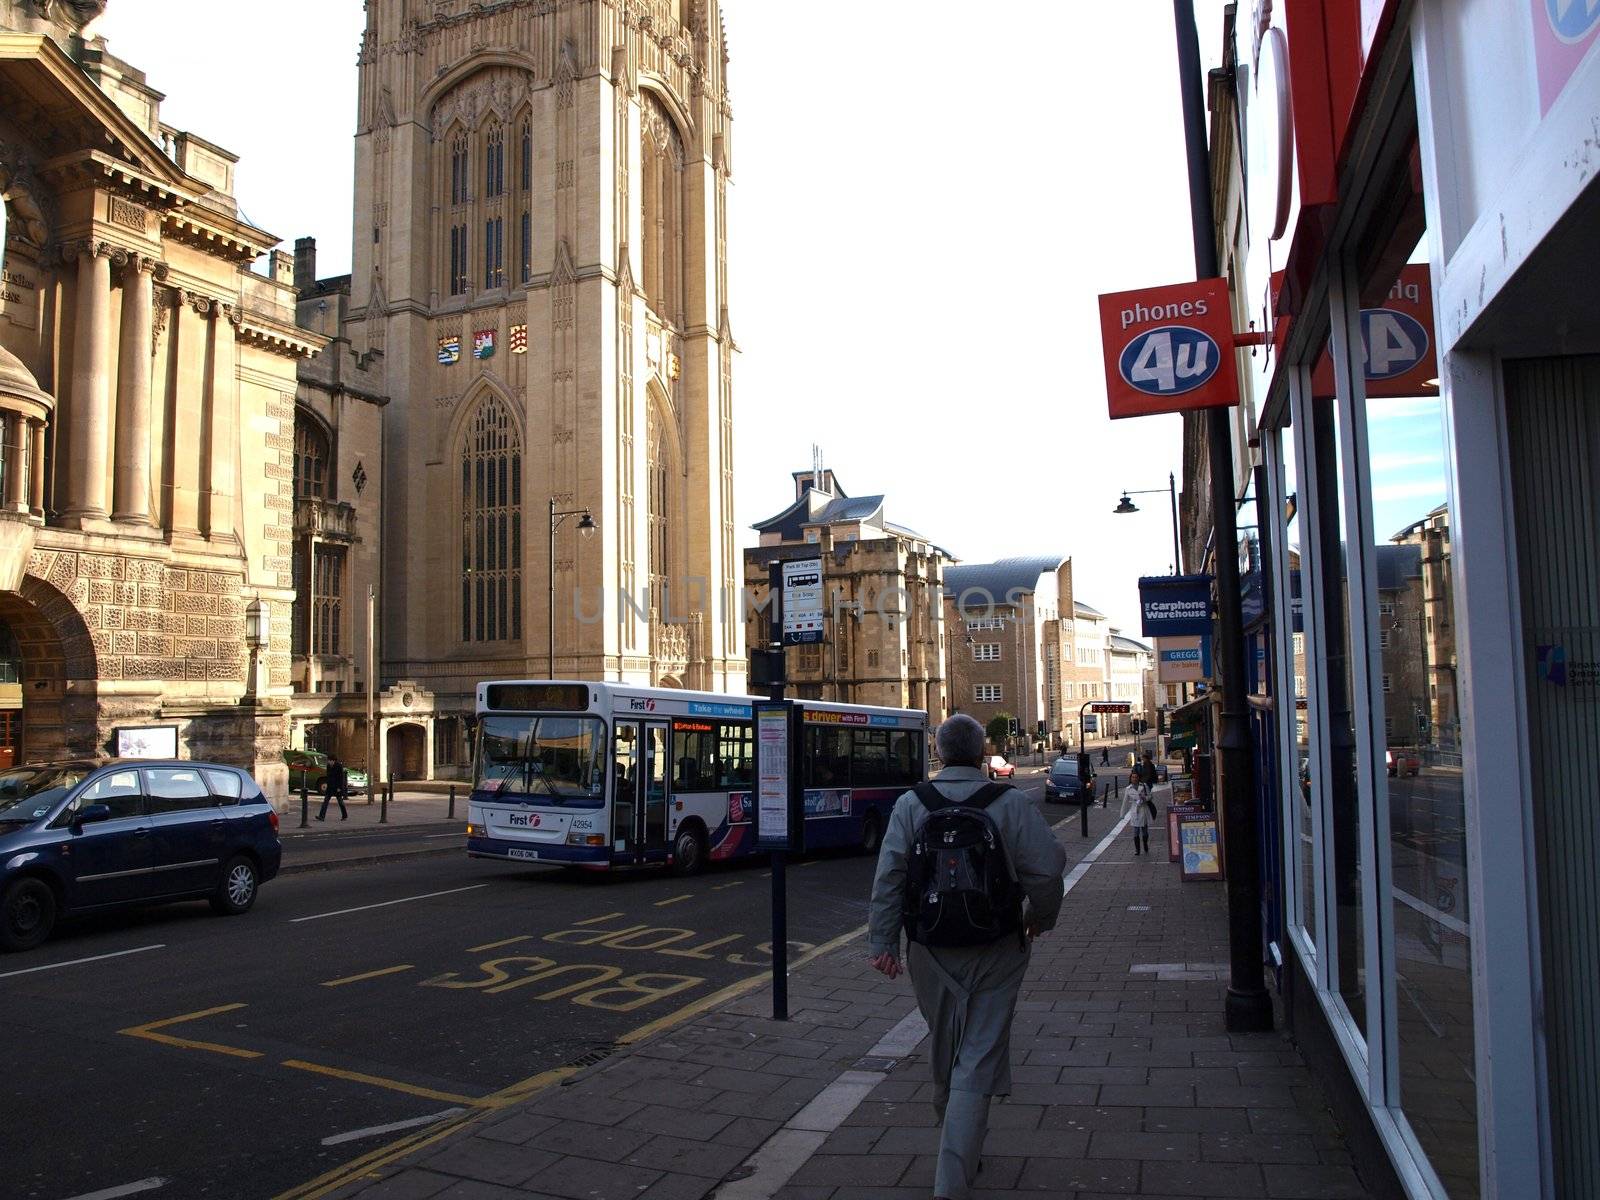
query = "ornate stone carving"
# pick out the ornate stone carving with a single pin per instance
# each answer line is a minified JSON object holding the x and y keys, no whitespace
{"x":129,"y":214}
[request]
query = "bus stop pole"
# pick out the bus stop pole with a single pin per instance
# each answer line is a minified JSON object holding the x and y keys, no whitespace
{"x":780,"y":890}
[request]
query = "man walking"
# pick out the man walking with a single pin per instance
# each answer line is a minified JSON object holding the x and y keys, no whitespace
{"x":967,"y":993}
{"x":335,"y":786}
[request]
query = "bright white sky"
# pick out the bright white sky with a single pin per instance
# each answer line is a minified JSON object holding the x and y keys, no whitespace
{"x":927,"y":199}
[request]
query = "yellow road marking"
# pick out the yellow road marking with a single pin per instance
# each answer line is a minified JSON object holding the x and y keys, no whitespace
{"x":393,"y":1085}
{"x":364,"y":1166}
{"x":496,"y":945}
{"x":674,"y":899}
{"x":597,"y":920}
{"x":368,"y":975}
{"x":166,"y":1039}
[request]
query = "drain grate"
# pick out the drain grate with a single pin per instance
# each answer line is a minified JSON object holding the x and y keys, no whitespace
{"x":589,"y":1057}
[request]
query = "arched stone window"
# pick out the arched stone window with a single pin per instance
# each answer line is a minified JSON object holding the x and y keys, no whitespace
{"x":459,"y":163}
{"x":494,"y":163}
{"x":658,"y":498}
{"x":491,"y":525}
{"x":313,"y":457}
{"x":663,"y":162}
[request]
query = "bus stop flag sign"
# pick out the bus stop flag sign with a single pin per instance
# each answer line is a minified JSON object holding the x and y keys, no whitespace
{"x":802,"y":601}
{"x":1168,"y":349}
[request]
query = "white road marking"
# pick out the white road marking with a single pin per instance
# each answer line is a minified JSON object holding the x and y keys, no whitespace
{"x":430,"y":836}
{"x":386,"y":903}
{"x":72,"y":962}
{"x":355,"y":1135}
{"x":127,"y":1189}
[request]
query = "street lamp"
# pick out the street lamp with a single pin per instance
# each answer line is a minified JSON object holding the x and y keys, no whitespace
{"x":586,"y":526}
{"x":1126,"y":505}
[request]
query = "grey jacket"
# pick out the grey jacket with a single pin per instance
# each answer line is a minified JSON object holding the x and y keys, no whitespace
{"x":1036,"y":856}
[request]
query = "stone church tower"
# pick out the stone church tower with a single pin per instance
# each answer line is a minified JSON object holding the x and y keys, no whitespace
{"x":540,"y":277}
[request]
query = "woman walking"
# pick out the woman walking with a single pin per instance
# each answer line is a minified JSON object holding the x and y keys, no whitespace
{"x":1138,"y":808}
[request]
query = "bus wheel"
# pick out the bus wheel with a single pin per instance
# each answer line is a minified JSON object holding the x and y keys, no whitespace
{"x":871,"y":832}
{"x":689,"y":851}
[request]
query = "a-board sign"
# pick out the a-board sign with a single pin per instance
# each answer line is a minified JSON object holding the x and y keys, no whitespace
{"x":1200,"y":847}
{"x":779,"y":821}
{"x":1175,"y":813}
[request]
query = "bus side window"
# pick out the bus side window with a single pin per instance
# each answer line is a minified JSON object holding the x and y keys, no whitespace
{"x":869,"y":760}
{"x":733,"y":757}
{"x":905,"y":758}
{"x":694,"y":766}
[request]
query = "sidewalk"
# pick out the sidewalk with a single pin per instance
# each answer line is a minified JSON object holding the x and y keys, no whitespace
{"x":419,"y":823}
{"x":1126,"y":1083}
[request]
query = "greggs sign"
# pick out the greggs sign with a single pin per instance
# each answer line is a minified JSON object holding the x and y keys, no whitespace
{"x":1168,"y":349}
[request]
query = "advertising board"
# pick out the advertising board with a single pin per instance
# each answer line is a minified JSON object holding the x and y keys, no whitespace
{"x":1175,"y":605}
{"x":1168,"y":349}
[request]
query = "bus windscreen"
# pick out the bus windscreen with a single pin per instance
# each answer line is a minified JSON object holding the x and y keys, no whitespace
{"x":543,"y":760}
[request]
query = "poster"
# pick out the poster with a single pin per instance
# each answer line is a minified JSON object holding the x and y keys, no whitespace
{"x":1202,"y":855}
{"x":1175,"y":813}
{"x":772,"y":775}
{"x":147,"y":741}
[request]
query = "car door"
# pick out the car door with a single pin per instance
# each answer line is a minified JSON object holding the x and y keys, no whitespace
{"x":188,"y":830}
{"x":108,"y":862}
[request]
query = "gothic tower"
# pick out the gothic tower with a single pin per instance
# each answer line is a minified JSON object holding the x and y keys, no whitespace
{"x":540,"y":274}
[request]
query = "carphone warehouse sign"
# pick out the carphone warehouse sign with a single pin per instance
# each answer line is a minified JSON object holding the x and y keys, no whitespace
{"x":1175,"y":605}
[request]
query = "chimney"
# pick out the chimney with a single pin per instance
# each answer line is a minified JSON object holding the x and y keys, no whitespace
{"x":305,"y":263}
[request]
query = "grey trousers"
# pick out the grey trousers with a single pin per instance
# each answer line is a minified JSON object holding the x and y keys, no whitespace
{"x":965,"y":1117}
{"x":968,"y":998}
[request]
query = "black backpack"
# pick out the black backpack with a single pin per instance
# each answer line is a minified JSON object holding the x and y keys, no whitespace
{"x":960,"y":887}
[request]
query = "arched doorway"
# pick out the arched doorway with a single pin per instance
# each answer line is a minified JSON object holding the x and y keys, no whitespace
{"x":407,"y":747}
{"x":48,"y":703}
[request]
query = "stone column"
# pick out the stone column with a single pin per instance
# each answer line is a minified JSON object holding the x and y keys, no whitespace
{"x":91,"y":385}
{"x":36,"y":476}
{"x":17,"y":498}
{"x":131,"y":491}
{"x":222,"y":425}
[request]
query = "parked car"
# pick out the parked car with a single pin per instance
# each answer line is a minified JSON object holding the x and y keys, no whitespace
{"x":83,"y":835}
{"x":1402,"y":760}
{"x":312,"y":766}
{"x":1063,"y":785}
{"x":999,"y":768}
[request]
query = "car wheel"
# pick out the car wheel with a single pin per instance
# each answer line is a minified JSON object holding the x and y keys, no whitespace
{"x":237,"y":891}
{"x":871,"y":832}
{"x":689,"y":851}
{"x":27,"y":914}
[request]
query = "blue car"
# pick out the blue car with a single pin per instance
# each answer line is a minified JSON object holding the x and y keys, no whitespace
{"x":1062,"y":785}
{"x":79,"y":836}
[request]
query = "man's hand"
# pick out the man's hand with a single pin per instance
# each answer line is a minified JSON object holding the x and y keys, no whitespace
{"x":887,"y":963}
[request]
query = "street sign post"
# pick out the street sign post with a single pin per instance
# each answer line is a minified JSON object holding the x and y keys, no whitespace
{"x":780,"y":824}
{"x":802,"y":601}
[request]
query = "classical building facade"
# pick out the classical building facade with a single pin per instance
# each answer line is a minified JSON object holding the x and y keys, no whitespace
{"x":883,"y":626}
{"x":539,"y":294}
{"x":147,"y":382}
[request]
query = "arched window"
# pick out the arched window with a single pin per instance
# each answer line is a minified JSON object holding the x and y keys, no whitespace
{"x":663,"y":159}
{"x":526,"y":165}
{"x":657,"y":500}
{"x":458,"y":170}
{"x":494,"y":163}
{"x":312,"y":459}
{"x":491,"y":526}
{"x":494,"y":263}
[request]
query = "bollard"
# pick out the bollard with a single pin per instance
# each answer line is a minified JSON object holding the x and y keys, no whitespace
{"x":383,"y":808}
{"x":1083,"y":811}
{"x":452,"y":813}
{"x":305,"y":805}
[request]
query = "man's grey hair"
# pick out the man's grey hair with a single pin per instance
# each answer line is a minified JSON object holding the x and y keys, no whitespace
{"x":959,"y":741}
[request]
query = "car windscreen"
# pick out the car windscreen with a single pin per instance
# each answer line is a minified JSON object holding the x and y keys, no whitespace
{"x":543,"y":760}
{"x":27,"y":794}
{"x":1063,"y":769}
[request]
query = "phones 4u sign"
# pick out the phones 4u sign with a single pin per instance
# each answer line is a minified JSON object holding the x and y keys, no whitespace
{"x":1169,"y":349}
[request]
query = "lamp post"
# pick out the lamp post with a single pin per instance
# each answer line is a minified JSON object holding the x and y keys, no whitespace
{"x":586,"y":526}
{"x":1126,"y":505}
{"x":257,"y":633}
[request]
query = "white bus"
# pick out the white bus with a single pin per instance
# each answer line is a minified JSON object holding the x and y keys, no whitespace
{"x":603,"y":775}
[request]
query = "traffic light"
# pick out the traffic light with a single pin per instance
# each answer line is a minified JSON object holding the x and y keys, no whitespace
{"x":1013,"y":727}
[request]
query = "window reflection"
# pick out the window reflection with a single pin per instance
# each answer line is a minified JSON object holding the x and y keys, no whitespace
{"x":1302,"y":826}
{"x":1416,"y":690}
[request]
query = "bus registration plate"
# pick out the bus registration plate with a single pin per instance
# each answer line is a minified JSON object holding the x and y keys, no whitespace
{"x":516,"y":853}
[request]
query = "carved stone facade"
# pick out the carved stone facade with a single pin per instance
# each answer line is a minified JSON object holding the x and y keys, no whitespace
{"x":539,"y":273}
{"x":147,"y":380}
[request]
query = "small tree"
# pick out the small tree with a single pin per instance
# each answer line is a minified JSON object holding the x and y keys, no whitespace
{"x":999,"y":728}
